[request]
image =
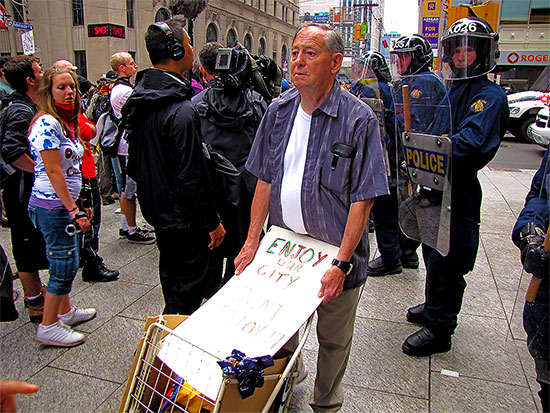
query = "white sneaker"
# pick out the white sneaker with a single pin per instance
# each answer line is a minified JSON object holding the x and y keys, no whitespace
{"x":118,"y":211}
{"x":77,"y":316}
{"x":59,"y":335}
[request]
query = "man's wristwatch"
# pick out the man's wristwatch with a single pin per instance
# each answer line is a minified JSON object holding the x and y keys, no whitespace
{"x":345,"y":266}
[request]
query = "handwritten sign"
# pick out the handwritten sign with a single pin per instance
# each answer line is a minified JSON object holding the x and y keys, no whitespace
{"x":256,"y":312}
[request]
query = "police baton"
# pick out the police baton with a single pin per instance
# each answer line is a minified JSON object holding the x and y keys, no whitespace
{"x":535,"y":282}
{"x":407,"y":119}
{"x":406,"y":108}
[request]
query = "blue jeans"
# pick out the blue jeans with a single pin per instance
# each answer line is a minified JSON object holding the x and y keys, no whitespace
{"x":61,"y":249}
{"x":119,"y":177}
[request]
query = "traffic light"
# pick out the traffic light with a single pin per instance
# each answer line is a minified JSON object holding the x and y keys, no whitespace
{"x":357,"y":32}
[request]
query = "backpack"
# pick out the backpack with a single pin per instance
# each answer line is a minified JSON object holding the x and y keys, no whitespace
{"x":109,"y":133}
{"x":112,"y":128}
{"x":101,"y":105}
{"x":6,"y":169}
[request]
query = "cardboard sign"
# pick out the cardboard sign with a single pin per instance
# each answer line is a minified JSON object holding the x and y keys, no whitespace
{"x":256,"y":312}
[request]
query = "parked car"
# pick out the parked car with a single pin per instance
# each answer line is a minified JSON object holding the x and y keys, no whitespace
{"x":539,"y":132}
{"x":524,"y":106}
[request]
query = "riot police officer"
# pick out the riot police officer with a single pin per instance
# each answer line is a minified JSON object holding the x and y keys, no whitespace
{"x":374,"y":83}
{"x":411,"y":58}
{"x":479,"y":112}
{"x":529,"y":235}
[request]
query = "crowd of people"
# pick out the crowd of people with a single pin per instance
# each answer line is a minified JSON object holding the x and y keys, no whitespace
{"x":316,"y":160}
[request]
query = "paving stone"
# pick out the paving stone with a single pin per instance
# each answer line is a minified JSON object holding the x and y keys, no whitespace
{"x":63,"y":391}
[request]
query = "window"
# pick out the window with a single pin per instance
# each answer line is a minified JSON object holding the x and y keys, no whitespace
{"x":162,"y":15}
{"x":293,"y":18}
{"x":540,"y":11}
{"x":18,"y":13}
{"x":265,"y":6}
{"x":231,"y":38}
{"x":211,"y":33}
{"x":80,"y":62}
{"x":275,"y":8}
{"x":261,"y":47}
{"x":248,"y":42}
{"x":130,"y":13}
{"x":514,"y":11}
{"x":78,"y":13}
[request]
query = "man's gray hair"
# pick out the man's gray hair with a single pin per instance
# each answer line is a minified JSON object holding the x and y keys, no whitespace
{"x":333,"y":39}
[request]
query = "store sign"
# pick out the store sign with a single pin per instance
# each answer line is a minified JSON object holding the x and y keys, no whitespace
{"x":27,"y":41}
{"x":431,"y":8}
{"x":430,"y":27}
{"x":523,"y":58}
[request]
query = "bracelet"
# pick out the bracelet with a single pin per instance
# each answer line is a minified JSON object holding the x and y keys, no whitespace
{"x":74,"y":209}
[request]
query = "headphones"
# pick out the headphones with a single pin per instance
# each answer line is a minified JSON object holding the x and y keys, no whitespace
{"x":175,"y":48}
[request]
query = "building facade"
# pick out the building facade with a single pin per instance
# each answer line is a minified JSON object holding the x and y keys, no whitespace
{"x":524,"y":41}
{"x":523,"y":27}
{"x":88,"y":32}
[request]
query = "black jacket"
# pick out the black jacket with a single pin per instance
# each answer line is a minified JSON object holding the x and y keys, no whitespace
{"x":17,"y":187}
{"x":165,"y":154}
{"x":17,"y":121}
{"x":229,"y":121}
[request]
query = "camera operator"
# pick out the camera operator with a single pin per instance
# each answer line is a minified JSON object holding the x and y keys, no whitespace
{"x":230,"y":111}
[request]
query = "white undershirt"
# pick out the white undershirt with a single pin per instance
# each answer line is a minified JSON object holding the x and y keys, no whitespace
{"x":293,"y":172}
{"x":119,"y":95}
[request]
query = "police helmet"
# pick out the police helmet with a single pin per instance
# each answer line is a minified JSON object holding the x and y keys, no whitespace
{"x":418,"y":48}
{"x":475,"y":35}
{"x":376,"y":62}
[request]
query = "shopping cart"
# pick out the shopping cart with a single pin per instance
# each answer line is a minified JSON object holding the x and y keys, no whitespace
{"x":153,"y":387}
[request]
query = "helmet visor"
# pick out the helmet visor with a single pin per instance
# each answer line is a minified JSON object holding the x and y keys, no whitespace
{"x":466,"y":55}
{"x":401,"y":64}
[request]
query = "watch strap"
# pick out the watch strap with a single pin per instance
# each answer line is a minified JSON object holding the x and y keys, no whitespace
{"x":345,"y":266}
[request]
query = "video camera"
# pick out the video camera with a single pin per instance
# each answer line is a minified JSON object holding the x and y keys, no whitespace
{"x":238,"y":69}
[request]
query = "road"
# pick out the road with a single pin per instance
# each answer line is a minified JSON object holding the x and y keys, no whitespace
{"x":514,"y":155}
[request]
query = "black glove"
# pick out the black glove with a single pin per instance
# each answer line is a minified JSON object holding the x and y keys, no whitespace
{"x":85,"y":197}
{"x":533,"y":257}
{"x":73,"y":227}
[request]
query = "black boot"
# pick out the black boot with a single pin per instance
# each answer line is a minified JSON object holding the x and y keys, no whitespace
{"x":376,"y":268}
{"x":416,"y":315}
{"x":424,"y":343}
{"x":409,"y":259}
{"x":98,"y":272}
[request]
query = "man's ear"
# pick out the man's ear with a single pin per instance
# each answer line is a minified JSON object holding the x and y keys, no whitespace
{"x":31,"y":82}
{"x":337,"y":59}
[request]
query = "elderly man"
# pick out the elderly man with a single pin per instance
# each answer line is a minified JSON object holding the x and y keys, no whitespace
{"x":318,"y":159}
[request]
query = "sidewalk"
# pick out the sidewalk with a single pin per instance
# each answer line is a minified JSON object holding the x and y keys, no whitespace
{"x":489,"y":352}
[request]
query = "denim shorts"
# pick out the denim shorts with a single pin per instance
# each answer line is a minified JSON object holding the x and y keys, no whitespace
{"x":61,"y":249}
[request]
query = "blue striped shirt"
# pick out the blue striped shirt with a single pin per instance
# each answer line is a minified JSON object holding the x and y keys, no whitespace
{"x":328,"y":190}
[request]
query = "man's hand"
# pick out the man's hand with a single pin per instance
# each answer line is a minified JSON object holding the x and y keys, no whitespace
{"x":216,"y":237}
{"x":332,"y":284}
{"x":89,"y":213}
{"x":245,"y":257}
{"x":8,"y":390}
